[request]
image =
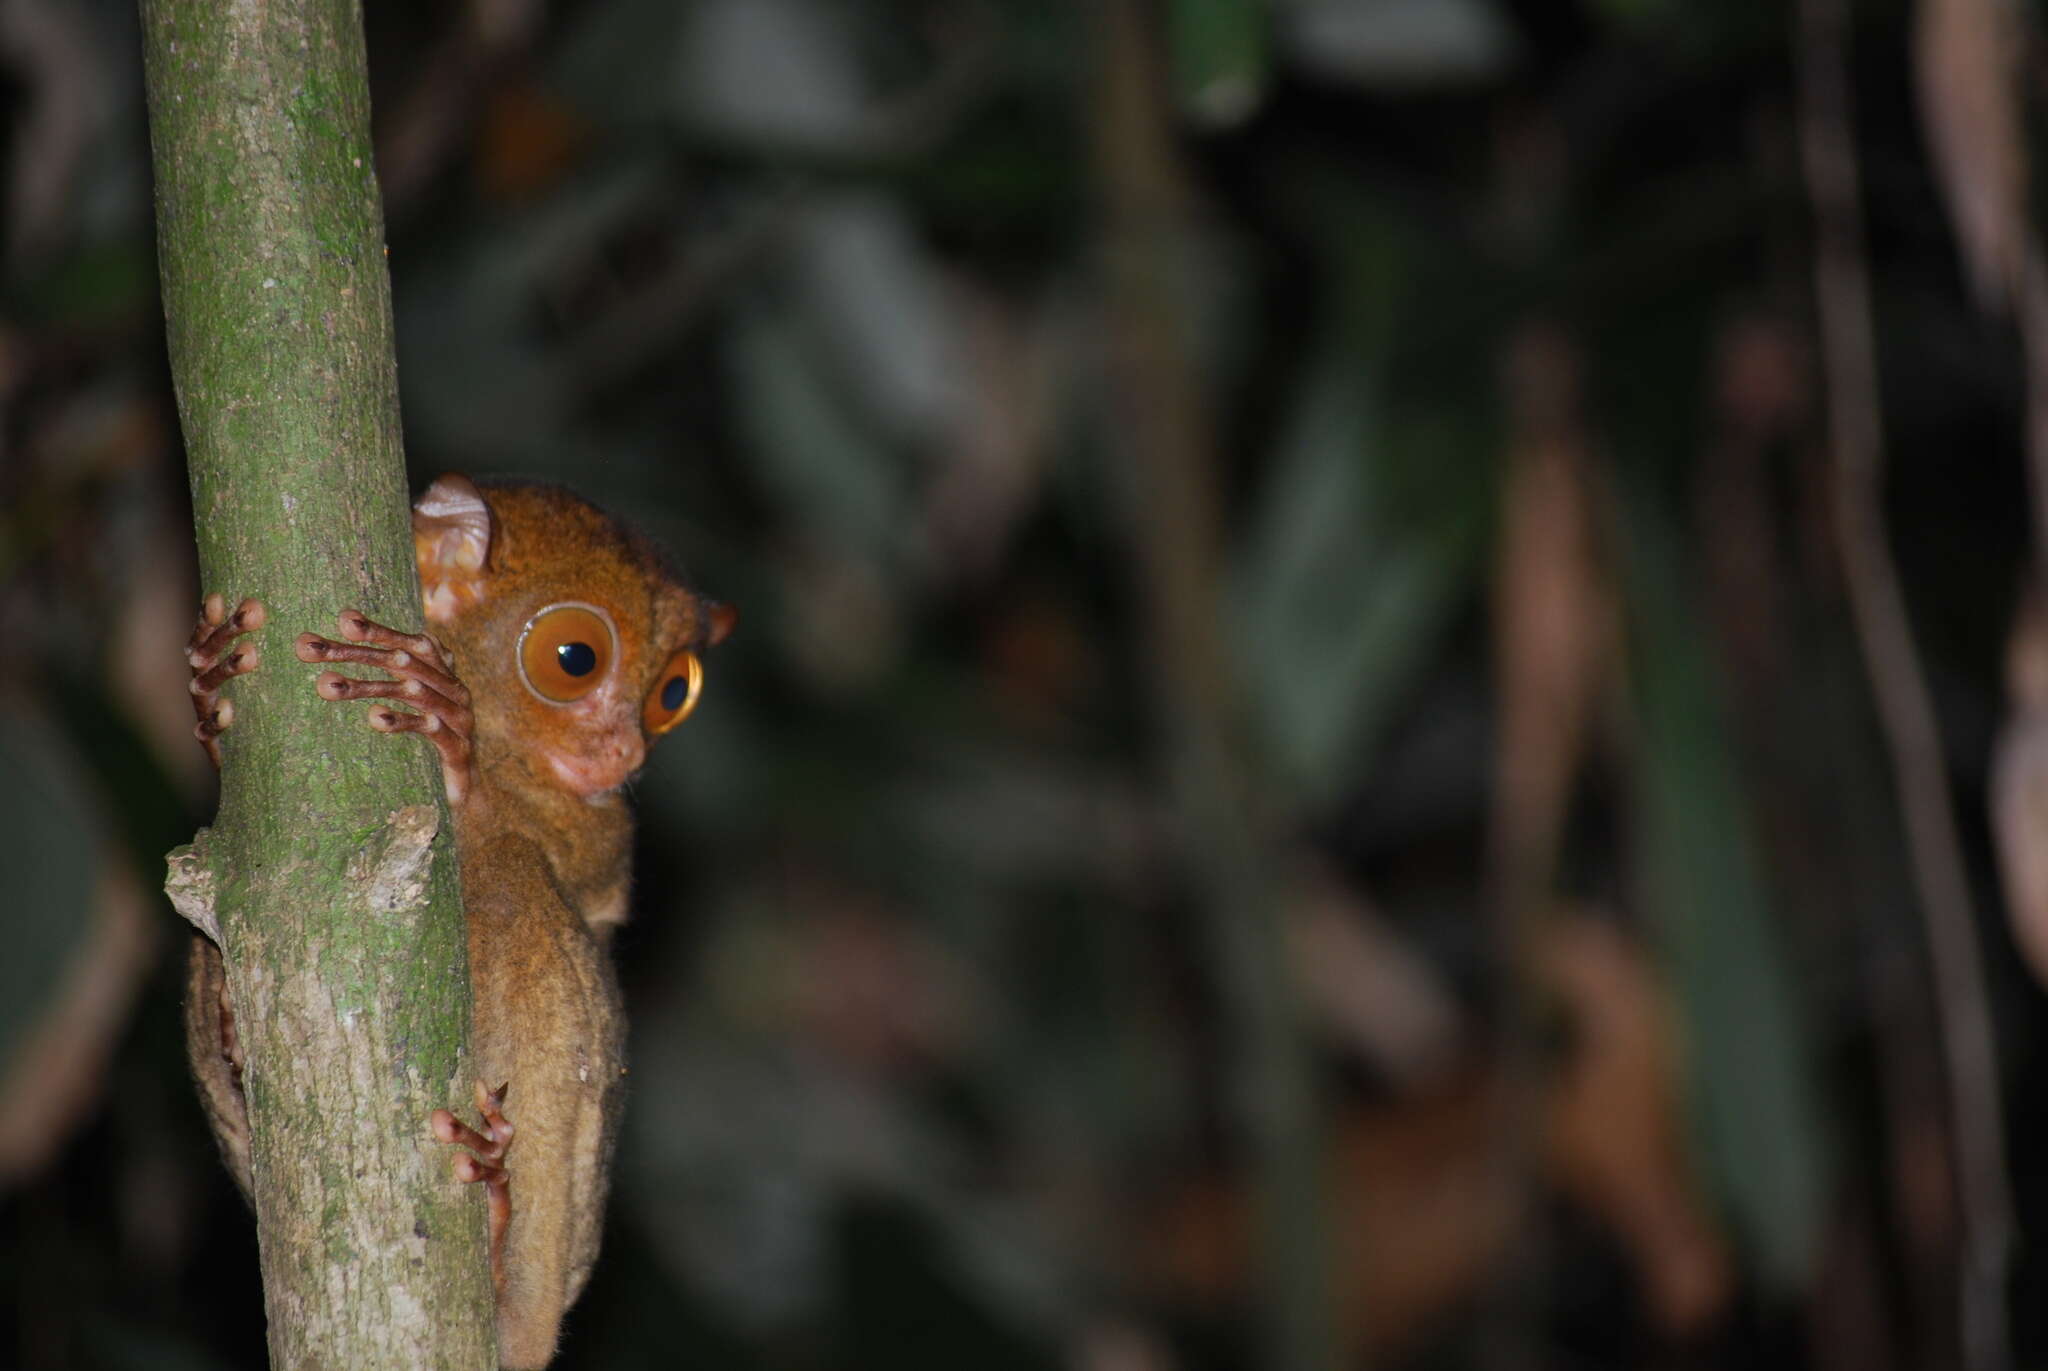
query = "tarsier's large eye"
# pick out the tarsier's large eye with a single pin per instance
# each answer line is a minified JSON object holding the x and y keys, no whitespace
{"x":674,"y":694}
{"x":565,"y":652}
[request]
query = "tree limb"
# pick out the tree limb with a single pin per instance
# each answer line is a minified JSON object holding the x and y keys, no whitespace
{"x":349,"y":985}
{"x":1905,"y":707}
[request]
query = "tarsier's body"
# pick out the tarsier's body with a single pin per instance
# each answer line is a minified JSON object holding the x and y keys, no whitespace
{"x":577,"y":646}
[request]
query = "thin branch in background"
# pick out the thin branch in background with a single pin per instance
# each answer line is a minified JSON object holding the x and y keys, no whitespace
{"x":1765,"y":402}
{"x":664,"y":309}
{"x":436,"y":115}
{"x":2032,"y":311}
{"x":59,"y":1067}
{"x":44,"y":47}
{"x":1966,"y":56}
{"x":1175,"y":507}
{"x":1552,"y":634}
{"x":1906,"y":712}
{"x":2019,"y":759}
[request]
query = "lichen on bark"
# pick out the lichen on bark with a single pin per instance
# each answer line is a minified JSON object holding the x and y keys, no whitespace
{"x":330,"y":869}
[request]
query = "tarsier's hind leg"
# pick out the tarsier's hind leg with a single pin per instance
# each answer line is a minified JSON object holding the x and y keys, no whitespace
{"x":216,"y":657}
{"x":216,"y":1058}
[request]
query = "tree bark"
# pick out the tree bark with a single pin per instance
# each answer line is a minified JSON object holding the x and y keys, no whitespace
{"x":331,"y":864}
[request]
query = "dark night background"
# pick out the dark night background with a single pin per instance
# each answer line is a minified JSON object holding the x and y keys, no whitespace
{"x":1546,"y":765}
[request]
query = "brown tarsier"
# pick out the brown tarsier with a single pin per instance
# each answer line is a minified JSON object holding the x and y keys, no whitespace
{"x":562,"y":645}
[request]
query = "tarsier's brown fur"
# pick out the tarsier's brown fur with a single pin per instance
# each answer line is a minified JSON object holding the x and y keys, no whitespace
{"x":544,"y":836}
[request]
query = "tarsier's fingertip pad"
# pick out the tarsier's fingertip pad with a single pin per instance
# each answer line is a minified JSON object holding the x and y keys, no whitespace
{"x":331,"y":685}
{"x":354,"y":624}
{"x":214,"y":609}
{"x":308,"y":646}
{"x":251,"y":614}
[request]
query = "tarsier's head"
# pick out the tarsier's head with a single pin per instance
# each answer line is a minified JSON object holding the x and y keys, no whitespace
{"x":579,"y":643}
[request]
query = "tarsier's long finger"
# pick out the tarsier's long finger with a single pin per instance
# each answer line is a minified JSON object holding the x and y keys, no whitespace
{"x":452,"y":745}
{"x":456,"y":1133}
{"x":491,"y":1105}
{"x":360,"y":627}
{"x":496,"y":1135}
{"x":498,"y":1188}
{"x":400,"y":662}
{"x":208,"y":730}
{"x":213,"y":723}
{"x":498,"y":1193}
{"x":217,"y":628}
{"x":445,"y":722}
{"x":213,"y":612}
{"x":240,"y":662}
{"x":452,"y":710}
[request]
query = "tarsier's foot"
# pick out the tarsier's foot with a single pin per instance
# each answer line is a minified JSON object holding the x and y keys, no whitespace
{"x":489,"y":1145}
{"x":215,"y":660}
{"x":424,"y":682}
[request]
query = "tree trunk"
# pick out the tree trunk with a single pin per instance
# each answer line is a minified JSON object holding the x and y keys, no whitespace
{"x":331,"y":862}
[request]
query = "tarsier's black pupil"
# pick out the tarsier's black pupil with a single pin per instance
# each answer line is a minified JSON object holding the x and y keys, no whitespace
{"x":578,"y":659}
{"x":673,"y":693}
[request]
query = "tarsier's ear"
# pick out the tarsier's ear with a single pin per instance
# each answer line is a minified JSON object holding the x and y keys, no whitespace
{"x":719,"y":620}
{"x":451,"y":538}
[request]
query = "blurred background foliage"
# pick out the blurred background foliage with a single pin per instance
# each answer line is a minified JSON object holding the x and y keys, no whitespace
{"x":1279,"y":544}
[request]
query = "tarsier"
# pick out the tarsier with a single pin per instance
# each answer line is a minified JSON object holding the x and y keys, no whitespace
{"x":562,"y":645}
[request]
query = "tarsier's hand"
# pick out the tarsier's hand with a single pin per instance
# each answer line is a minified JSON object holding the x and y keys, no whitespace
{"x":424,"y":682}
{"x":216,"y":660}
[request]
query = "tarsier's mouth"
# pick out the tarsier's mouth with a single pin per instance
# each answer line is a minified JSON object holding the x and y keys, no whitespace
{"x":592,"y":777}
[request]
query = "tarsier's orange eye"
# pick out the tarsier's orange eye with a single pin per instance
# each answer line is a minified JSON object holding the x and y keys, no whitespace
{"x":674,"y":694}
{"x":565,"y":652}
